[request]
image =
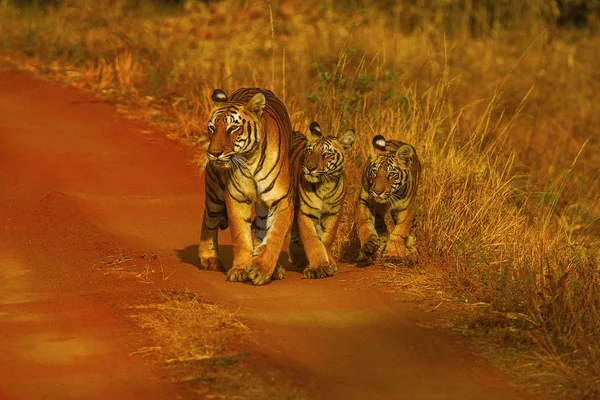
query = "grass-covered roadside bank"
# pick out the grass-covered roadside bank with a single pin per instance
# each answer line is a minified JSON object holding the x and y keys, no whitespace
{"x":501,"y":103}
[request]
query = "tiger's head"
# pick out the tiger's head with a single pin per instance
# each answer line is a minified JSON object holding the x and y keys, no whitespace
{"x":324,"y":156}
{"x":389,"y":172}
{"x":234,"y":129}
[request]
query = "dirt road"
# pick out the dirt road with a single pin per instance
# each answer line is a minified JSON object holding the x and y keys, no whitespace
{"x":78,"y":182}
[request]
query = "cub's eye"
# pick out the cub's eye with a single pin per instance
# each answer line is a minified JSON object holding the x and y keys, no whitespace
{"x":233,"y":128}
{"x":211,"y":129}
{"x":393,"y":175}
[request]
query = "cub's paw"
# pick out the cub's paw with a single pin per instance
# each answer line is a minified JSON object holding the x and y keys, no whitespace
{"x":369,"y":248}
{"x":411,"y":243}
{"x":210,"y":264}
{"x":279,"y":273}
{"x":332,"y":264}
{"x":395,"y":250}
{"x":318,"y":272}
{"x":237,"y":275}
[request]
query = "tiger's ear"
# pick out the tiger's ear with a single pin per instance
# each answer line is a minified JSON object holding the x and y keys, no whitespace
{"x":218,"y":96}
{"x":257,"y":104}
{"x":315,"y":129}
{"x":347,"y":139}
{"x":379,"y":144}
{"x":405,"y":153}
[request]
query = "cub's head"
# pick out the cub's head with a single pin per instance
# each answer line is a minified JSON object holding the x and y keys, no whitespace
{"x":324,"y":156}
{"x":234,"y":129}
{"x":388,"y":173}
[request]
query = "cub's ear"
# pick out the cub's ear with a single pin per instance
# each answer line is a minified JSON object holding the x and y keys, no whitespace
{"x":315,"y":129}
{"x":379,"y":144}
{"x":218,"y":96}
{"x":347,"y":139}
{"x":405,"y":153}
{"x":257,"y":104}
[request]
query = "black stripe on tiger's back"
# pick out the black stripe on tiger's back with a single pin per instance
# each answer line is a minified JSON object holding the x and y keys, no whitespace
{"x":279,"y":153}
{"x":263,"y":155}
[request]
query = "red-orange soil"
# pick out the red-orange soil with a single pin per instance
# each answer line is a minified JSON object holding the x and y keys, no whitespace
{"x":78,"y":183}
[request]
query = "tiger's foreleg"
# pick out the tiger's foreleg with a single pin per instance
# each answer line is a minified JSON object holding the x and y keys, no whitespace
{"x":365,"y":223}
{"x":316,"y":251}
{"x":266,"y":255}
{"x":214,"y":213}
{"x":402,"y":241}
{"x":382,"y":231}
{"x":240,"y":220}
{"x":330,"y":224}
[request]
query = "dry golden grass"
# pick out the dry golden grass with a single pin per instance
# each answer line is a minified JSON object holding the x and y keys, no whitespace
{"x":501,"y":104}
{"x":203,"y":345}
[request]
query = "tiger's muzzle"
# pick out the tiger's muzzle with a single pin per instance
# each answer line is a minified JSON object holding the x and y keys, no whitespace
{"x":219,"y":159}
{"x":312,"y":175}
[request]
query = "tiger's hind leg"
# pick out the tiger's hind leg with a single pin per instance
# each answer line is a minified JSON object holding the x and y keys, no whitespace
{"x":402,"y":241}
{"x":297,"y":255}
{"x":215,"y":215}
{"x":260,"y":230}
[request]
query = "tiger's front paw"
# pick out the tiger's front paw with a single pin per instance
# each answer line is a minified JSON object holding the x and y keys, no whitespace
{"x":394,"y":252}
{"x":237,"y":275}
{"x":318,"y":272}
{"x":333,"y":265}
{"x":279,"y":272}
{"x":210,"y":264}
{"x":331,"y":260}
{"x":369,"y":248}
{"x":258,"y":272}
{"x":399,"y":251}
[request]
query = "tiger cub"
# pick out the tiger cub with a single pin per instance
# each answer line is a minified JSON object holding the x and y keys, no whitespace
{"x":318,"y":169}
{"x":389,"y":185}
{"x":248,"y":163}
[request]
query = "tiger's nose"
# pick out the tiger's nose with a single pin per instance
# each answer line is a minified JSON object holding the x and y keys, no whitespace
{"x":378,"y":190}
{"x":215,"y":153}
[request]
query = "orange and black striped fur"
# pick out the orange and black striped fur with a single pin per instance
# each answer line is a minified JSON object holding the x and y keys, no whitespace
{"x":318,"y":165}
{"x":248,"y":163}
{"x":389,"y":185}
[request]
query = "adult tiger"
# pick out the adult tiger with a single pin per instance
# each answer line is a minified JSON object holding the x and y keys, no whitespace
{"x":248,"y":163}
{"x":318,"y":165}
{"x":389,"y":185}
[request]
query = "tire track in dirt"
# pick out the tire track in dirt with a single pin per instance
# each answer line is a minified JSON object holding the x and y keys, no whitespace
{"x":78,"y":182}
